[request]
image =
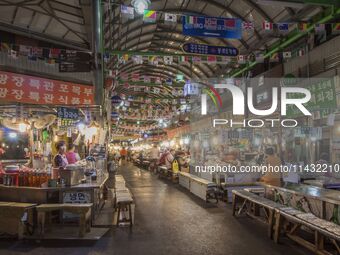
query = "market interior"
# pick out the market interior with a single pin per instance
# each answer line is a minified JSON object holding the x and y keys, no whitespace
{"x":159,"y":127}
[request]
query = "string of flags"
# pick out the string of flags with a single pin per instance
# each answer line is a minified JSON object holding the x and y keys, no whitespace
{"x":50,"y":55}
{"x":150,"y":16}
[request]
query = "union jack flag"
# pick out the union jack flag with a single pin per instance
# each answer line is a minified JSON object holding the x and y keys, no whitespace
{"x":248,"y":25}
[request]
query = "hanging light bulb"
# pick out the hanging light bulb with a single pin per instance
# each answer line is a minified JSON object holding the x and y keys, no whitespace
{"x":140,"y":5}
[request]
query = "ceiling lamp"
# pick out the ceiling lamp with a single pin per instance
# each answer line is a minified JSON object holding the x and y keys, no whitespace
{"x":140,"y":5}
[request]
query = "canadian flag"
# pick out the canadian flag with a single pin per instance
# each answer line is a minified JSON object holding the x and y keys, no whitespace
{"x":267,"y":25}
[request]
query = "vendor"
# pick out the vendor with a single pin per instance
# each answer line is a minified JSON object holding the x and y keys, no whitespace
{"x":72,"y":156}
{"x":272,"y":177}
{"x":60,"y":159}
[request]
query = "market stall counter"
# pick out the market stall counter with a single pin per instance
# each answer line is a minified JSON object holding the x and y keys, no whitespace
{"x":90,"y":192}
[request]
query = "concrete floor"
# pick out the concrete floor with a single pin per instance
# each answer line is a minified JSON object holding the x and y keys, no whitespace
{"x":169,"y":220}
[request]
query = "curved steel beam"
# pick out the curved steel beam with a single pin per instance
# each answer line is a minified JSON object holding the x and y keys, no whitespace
{"x":167,"y":39}
{"x":172,"y":69}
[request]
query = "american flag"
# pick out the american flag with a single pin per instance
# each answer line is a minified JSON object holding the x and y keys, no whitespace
{"x":248,"y":25}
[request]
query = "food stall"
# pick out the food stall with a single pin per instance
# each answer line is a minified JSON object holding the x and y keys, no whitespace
{"x":29,"y":133}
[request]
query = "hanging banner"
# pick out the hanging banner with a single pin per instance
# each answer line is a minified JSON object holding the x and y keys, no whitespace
{"x":212,"y":27}
{"x":74,"y":56}
{"x":35,"y":90}
{"x":204,"y":49}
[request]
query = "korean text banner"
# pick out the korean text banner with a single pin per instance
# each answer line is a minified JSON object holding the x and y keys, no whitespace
{"x":35,"y":90}
{"x":212,"y":27}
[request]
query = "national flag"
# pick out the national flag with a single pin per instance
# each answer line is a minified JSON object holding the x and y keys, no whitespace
{"x":135,"y":77}
{"x":212,"y":59}
{"x":301,"y":52}
{"x":37,"y":51}
{"x":184,"y":59}
{"x":124,"y":76}
{"x":153,"y":60}
{"x":283,"y":27}
{"x":138,"y":60}
{"x":170,"y":18}
{"x":224,"y":60}
{"x":5,"y":47}
{"x":196,"y":59}
{"x":32,"y":57}
{"x":287,"y":54}
{"x":274,"y":57}
{"x":247,"y":25}
{"x":25,"y":50}
{"x":127,"y":11}
{"x":150,"y":16}
{"x":267,"y":25}
{"x":336,"y":28}
{"x":13,"y":54}
{"x":156,"y":90}
{"x":302,"y":27}
{"x":319,"y":28}
{"x":168,"y":81}
{"x":146,"y":78}
{"x":191,"y":20}
{"x":241,"y":59}
{"x":54,"y":53}
{"x":230,"y":23}
{"x":50,"y":61}
{"x":168,"y":60}
{"x":158,"y":80}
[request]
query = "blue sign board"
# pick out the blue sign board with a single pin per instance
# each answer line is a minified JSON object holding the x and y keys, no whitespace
{"x":114,"y":115}
{"x":116,"y":100}
{"x":67,"y":113}
{"x":204,"y":49}
{"x":212,"y":27}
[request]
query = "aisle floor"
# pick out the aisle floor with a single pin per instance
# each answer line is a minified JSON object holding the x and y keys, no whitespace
{"x":168,"y":220}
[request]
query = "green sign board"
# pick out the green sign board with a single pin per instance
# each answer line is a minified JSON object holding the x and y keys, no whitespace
{"x":323,"y":99}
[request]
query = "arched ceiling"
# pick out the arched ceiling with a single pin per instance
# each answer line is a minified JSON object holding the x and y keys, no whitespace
{"x":124,"y":34}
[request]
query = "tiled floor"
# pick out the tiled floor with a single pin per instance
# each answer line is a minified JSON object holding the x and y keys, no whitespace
{"x":169,"y":220}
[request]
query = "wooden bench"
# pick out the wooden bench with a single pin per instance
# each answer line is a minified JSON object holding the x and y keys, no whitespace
{"x":83,"y":210}
{"x":124,"y":202}
{"x":252,"y":204}
{"x":11,"y":217}
{"x":293,"y":223}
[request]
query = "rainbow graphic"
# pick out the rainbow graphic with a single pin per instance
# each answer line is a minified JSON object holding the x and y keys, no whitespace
{"x":150,"y":16}
{"x":214,"y":95}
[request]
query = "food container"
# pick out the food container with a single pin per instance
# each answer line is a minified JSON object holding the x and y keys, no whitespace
{"x":72,"y":175}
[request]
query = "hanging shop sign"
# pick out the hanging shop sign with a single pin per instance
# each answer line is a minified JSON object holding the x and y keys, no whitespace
{"x":35,"y":90}
{"x":204,"y":49}
{"x":114,"y":115}
{"x":74,"y":67}
{"x":212,"y":27}
{"x":116,"y":100}
{"x":68,"y":113}
{"x":314,"y":132}
{"x":74,"y":56}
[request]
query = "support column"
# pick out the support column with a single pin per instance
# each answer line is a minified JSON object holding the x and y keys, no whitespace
{"x":97,"y":49}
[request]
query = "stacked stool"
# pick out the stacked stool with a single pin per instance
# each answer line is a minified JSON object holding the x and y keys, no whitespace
{"x":122,"y":201}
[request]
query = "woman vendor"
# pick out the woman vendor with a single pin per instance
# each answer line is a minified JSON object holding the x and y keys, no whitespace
{"x":272,"y":177}
{"x":60,"y":159}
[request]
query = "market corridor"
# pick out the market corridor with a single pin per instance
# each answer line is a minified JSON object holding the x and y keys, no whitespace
{"x":168,"y":220}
